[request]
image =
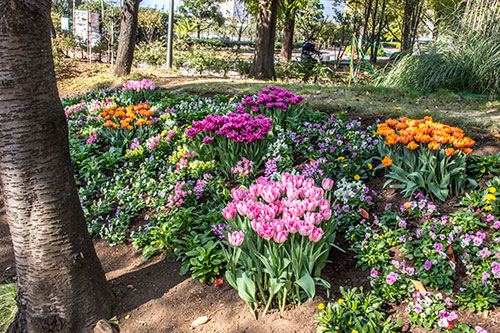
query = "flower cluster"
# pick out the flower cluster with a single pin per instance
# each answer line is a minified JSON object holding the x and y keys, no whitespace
{"x":237,"y":127}
{"x":412,"y":133}
{"x":243,"y":168}
{"x":221,"y":230}
{"x":139,"y":115}
{"x":177,"y":199}
{"x":145,"y":84}
{"x":272,"y":97}
{"x":277,"y":209}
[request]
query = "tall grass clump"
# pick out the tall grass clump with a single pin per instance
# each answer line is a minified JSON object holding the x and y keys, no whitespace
{"x":8,"y":306}
{"x":466,"y":58}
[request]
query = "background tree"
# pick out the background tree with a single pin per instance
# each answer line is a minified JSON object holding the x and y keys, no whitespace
{"x":61,"y":284}
{"x":205,"y":13}
{"x":151,"y":24}
{"x":128,"y":36}
{"x":289,"y":10}
{"x":263,"y":60}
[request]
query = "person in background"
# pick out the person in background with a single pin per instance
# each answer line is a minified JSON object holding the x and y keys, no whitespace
{"x":308,"y":50}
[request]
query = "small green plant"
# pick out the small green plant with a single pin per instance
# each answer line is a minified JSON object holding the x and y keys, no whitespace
{"x":356,"y":312}
{"x":483,"y":165}
{"x":8,"y":306}
{"x":477,"y":296}
{"x":205,"y":262}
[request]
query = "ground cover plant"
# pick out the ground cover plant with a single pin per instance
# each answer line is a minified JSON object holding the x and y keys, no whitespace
{"x":256,"y":190}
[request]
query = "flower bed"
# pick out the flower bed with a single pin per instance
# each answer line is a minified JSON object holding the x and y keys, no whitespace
{"x":256,"y":189}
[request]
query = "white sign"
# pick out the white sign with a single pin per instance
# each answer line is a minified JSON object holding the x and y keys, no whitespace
{"x":87,"y":26}
{"x":64,"y":23}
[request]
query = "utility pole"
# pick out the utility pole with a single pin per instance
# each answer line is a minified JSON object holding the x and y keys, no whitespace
{"x":170,"y":34}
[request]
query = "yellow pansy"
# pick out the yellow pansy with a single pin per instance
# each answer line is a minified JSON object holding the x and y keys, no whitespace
{"x":321,"y":306}
{"x":341,"y":158}
{"x":370,"y":166}
{"x":490,"y":196}
{"x":345,"y":165}
{"x":492,"y":190}
{"x":341,"y":301}
{"x":357,"y":177}
{"x":488,"y":208}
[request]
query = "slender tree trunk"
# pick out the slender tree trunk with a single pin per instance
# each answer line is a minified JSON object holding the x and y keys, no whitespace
{"x":411,"y":19}
{"x":263,"y":61}
{"x":287,"y":44}
{"x":128,"y":35}
{"x":61,"y":284}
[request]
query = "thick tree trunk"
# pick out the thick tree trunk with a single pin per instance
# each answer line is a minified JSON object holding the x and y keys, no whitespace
{"x":263,"y":60}
{"x":128,"y":35}
{"x":287,"y":44}
{"x":61,"y":284}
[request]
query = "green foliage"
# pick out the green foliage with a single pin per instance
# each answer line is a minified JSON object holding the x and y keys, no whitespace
{"x":477,"y":297}
{"x":480,"y":166}
{"x":471,"y":65}
{"x":356,"y":311}
{"x":8,"y":306}
{"x":153,"y":53}
{"x":205,"y":261}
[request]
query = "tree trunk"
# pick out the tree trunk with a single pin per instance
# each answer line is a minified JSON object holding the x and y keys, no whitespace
{"x":263,"y":60}
{"x":287,"y":44}
{"x":128,"y":35}
{"x":411,"y":19}
{"x":61,"y":284}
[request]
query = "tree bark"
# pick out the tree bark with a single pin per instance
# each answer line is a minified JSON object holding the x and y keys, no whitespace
{"x":128,"y":35}
{"x":287,"y":44}
{"x":263,"y":60}
{"x":411,"y":20}
{"x":61,"y":284}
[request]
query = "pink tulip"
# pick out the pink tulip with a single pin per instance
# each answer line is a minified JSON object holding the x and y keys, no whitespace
{"x":253,"y":211}
{"x":316,"y":235}
{"x":324,"y":204}
{"x":297,"y":181}
{"x":255,"y":190}
{"x":287,"y":203}
{"x":280,"y":237}
{"x":297,"y":211}
{"x":278,"y":225}
{"x":281,"y":187}
{"x":256,"y":224}
{"x":261,"y":181}
{"x":316,"y":193}
{"x":311,"y":204}
{"x":327,"y":184}
{"x":318,"y":217}
{"x":292,"y":225}
{"x":308,"y":183}
{"x":270,"y":193}
{"x":268,"y":214}
{"x":236,"y":238}
{"x":327,"y":214}
{"x":229,"y":212}
{"x":292,"y":193}
{"x":305,"y":228}
{"x":238,"y":194}
{"x":266,"y":231}
{"x":309,"y":217}
{"x":277,"y":207}
{"x":286,"y":177}
{"x":241,"y":206}
{"x":303,"y":192}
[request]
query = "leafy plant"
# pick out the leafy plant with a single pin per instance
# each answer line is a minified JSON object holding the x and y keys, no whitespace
{"x":356,"y":311}
{"x":205,"y":262}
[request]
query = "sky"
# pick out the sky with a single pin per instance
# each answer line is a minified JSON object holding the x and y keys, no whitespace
{"x":161,"y":3}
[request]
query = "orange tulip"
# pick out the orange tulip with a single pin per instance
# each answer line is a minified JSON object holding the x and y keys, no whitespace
{"x":412,"y":145}
{"x":450,"y":151}
{"x":386,"y":162}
